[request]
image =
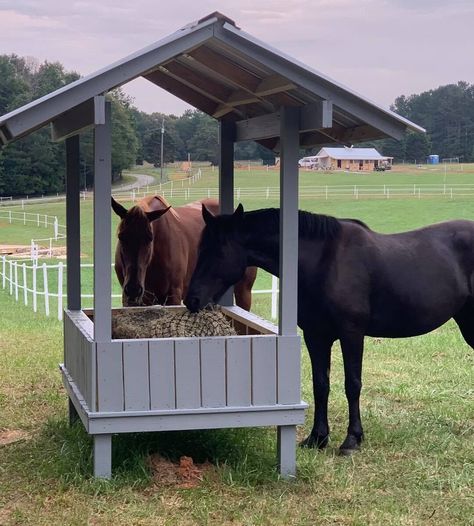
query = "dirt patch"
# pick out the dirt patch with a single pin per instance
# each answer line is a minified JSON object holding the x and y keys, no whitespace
{"x":24,"y":251}
{"x":8,"y":250}
{"x":184,"y":475}
{"x":10,"y":436}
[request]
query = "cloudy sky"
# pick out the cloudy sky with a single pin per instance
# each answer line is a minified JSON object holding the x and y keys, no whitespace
{"x":378,"y":48}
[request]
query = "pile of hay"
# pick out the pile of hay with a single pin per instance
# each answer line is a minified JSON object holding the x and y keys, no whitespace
{"x":158,"y":322}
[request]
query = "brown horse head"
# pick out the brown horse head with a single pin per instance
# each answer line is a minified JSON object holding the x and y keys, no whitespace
{"x":134,"y":249}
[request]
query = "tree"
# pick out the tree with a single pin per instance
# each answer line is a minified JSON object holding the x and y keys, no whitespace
{"x":36,"y":165}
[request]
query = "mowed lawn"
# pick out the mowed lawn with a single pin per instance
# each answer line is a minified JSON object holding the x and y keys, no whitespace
{"x":416,"y":466}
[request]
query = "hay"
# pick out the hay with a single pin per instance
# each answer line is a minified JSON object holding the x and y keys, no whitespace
{"x":159,"y":322}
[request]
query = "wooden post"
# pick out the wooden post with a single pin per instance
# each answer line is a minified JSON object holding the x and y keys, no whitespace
{"x":73,"y":223}
{"x":289,"y":220}
{"x":226,"y":181}
{"x":102,"y":222}
{"x":287,"y":326}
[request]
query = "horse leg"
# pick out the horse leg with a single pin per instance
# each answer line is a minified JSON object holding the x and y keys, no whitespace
{"x":319,"y":349}
{"x":352,"y":345}
{"x":465,"y":320}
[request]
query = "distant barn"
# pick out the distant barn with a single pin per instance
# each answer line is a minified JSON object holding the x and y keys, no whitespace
{"x":352,"y":159}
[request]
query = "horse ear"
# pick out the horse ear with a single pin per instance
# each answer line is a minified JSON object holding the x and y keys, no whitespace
{"x":156,"y":214}
{"x":239,"y":212}
{"x":120,"y":210}
{"x":206,"y":215}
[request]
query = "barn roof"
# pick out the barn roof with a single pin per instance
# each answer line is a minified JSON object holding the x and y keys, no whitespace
{"x":369,"y":154}
{"x":228,"y":74}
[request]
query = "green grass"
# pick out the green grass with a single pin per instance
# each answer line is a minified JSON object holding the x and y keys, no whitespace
{"x":416,"y":466}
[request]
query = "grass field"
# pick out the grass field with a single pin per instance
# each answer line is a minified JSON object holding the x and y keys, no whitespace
{"x":416,"y":466}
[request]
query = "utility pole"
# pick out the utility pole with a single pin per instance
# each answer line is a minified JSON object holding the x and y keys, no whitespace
{"x":162,"y":136}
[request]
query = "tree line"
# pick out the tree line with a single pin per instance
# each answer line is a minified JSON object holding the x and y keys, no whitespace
{"x":35,"y":165}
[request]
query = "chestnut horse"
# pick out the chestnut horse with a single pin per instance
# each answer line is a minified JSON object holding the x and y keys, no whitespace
{"x":157,"y":251}
{"x":352,"y":282}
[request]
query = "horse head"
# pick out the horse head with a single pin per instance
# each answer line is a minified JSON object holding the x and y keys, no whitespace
{"x":222,"y":259}
{"x":134,"y":249}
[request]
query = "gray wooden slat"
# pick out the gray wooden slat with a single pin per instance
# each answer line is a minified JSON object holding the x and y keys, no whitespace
{"x":93,"y":362}
{"x":162,"y":374}
{"x":67,"y":335}
{"x":109,"y":376}
{"x":263,"y":370}
{"x":239,"y":372}
{"x":136,"y":376}
{"x":188,"y":376}
{"x":289,"y":369}
{"x":213,"y":374}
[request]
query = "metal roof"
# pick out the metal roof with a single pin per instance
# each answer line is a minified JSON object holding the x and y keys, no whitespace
{"x":358,"y":154}
{"x":228,"y":74}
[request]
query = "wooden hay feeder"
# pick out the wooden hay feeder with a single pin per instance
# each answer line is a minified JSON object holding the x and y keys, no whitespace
{"x":161,"y":384}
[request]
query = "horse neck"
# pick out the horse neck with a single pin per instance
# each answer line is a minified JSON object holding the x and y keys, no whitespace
{"x":262,"y":237}
{"x":262,"y":241}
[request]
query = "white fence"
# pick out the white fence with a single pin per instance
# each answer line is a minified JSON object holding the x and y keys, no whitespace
{"x":179,"y":190}
{"x":37,"y":285}
{"x":38,"y":246}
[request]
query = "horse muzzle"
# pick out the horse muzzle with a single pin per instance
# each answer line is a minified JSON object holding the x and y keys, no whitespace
{"x":193,"y":304}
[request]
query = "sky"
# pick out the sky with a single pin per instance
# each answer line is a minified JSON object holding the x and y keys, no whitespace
{"x":378,"y":48}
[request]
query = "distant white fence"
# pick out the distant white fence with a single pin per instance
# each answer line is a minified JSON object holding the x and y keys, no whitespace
{"x":37,"y":285}
{"x":179,"y":190}
{"x":38,"y":246}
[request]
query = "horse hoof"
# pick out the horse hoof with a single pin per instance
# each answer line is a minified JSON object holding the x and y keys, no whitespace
{"x":343,"y":452}
{"x":315,"y":442}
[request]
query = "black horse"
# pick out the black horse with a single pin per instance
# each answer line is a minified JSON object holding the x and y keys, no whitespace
{"x":352,"y":282}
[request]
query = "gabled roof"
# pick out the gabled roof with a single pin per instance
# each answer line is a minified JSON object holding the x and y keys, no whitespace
{"x":228,"y":74}
{"x":357,"y":154}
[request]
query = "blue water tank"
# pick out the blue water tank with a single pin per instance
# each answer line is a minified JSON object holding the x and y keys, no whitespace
{"x":433,"y":159}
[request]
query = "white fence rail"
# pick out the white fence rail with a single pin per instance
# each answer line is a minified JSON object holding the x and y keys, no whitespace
{"x":38,"y":246}
{"x":36,"y":285}
{"x":180,"y":190}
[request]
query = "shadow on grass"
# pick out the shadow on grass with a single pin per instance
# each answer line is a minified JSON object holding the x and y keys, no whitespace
{"x":244,"y":457}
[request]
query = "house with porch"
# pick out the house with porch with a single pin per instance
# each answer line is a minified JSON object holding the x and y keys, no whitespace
{"x":353,"y":159}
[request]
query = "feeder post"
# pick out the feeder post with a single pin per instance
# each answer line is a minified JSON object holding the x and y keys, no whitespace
{"x":288,"y":300}
{"x":102,"y":257}
{"x":226,"y":181}
{"x":289,"y":137}
{"x":102,"y":221}
{"x":73,"y":224}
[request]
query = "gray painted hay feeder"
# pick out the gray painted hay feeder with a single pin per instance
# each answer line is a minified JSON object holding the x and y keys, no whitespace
{"x":253,"y":379}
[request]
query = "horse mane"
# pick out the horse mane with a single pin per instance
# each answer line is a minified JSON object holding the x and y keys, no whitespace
{"x":310,"y":225}
{"x":165,"y":204}
{"x":134,"y":221}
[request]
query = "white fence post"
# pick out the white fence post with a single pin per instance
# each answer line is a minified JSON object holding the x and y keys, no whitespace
{"x":274,"y":297}
{"x":56,"y":228}
{"x":16,"y":280}
{"x":35,"y":295}
{"x":46,"y":291}
{"x":25,"y":285}
{"x":11,"y":277}
{"x":4,"y":269}
{"x":60,"y":291}
{"x":24,"y":218}
{"x":10,"y":216}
